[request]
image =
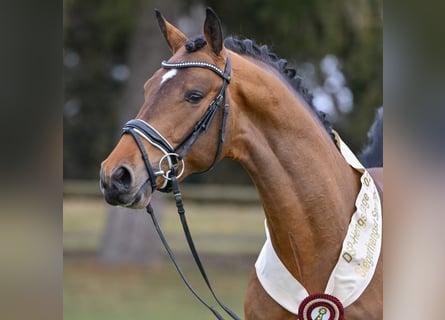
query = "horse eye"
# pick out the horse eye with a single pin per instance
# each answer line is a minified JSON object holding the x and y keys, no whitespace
{"x":193,"y":96}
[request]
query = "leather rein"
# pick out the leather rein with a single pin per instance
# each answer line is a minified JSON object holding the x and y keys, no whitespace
{"x":139,"y":128}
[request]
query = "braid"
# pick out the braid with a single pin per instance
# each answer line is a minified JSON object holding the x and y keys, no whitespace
{"x":263,"y":53}
{"x":195,"y":44}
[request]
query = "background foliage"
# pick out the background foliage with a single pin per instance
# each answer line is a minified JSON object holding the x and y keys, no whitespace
{"x":96,"y":46}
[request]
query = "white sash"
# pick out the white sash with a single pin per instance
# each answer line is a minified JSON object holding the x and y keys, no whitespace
{"x":358,"y":259}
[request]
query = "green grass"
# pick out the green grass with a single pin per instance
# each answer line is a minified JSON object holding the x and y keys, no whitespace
{"x":227,"y":236}
{"x":216,"y":228}
{"x":84,"y":220}
{"x":94,"y":292}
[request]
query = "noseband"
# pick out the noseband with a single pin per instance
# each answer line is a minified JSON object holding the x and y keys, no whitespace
{"x":138,"y":127}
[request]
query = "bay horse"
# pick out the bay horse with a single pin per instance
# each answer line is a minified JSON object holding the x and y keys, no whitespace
{"x":231,"y":98}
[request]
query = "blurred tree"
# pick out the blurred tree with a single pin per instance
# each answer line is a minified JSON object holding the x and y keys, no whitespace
{"x":96,"y":35}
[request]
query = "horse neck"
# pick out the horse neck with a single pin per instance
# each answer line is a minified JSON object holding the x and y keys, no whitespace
{"x":307,"y":189}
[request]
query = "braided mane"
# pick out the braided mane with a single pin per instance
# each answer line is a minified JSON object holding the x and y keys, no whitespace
{"x":250,"y":48}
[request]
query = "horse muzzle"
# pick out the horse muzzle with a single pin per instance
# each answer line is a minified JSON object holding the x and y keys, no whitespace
{"x":127,"y":181}
{"x":121,"y":188}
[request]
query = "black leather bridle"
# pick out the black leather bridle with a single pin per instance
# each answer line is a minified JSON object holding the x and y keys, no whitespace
{"x":139,"y":128}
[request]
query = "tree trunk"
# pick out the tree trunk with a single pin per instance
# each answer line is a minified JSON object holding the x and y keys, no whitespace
{"x":130,"y":237}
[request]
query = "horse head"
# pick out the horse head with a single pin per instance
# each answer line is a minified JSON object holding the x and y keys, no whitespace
{"x":180,"y":126}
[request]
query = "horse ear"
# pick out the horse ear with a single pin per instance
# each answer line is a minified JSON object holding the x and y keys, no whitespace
{"x":213,"y":31}
{"x":175,"y":38}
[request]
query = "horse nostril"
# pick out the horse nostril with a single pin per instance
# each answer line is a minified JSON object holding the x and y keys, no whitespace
{"x":121,"y":179}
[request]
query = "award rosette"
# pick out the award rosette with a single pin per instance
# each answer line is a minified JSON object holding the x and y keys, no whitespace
{"x":320,"y":307}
